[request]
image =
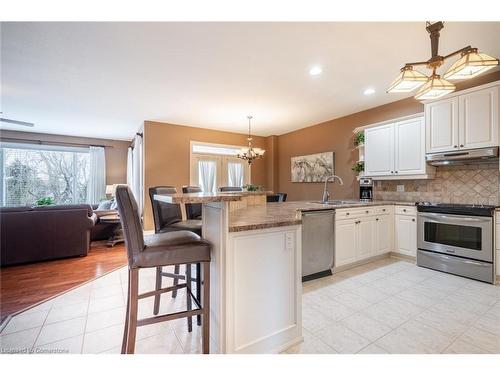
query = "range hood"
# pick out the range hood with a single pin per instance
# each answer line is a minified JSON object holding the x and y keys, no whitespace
{"x":461,"y":157}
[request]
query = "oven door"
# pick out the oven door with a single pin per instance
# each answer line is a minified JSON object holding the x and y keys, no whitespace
{"x":464,"y":236}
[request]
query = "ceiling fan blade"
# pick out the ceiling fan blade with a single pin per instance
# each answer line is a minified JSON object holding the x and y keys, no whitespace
{"x":16,"y":122}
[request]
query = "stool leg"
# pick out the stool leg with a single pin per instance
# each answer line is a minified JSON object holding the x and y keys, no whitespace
{"x":198,"y":289}
{"x":132,"y":310}
{"x":176,"y":281}
{"x":189,"y":301}
{"x":156,"y":307}
{"x":206,"y":308}
{"x":125,"y":329}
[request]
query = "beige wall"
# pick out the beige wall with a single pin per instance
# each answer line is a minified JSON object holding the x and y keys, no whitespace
{"x":167,"y":153}
{"x":337,"y":136}
{"x":116,"y":151}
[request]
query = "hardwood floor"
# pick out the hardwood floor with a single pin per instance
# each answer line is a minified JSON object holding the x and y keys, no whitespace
{"x":26,"y":285}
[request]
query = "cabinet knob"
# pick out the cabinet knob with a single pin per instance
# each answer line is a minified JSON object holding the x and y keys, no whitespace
{"x":404,"y":209}
{"x":392,"y":171}
{"x":383,"y":209}
{"x":455,"y":146}
{"x":461,"y":145}
{"x":376,"y":219}
{"x":347,"y":213}
{"x":396,"y":172}
{"x":367,"y":211}
{"x":412,"y":219}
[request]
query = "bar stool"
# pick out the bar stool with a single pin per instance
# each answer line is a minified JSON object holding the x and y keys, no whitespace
{"x":159,"y":250}
{"x":168,"y":218}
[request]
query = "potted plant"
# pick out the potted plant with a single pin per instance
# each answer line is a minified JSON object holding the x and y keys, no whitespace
{"x":359,"y":138}
{"x":358,"y":167}
{"x":45,"y":201}
{"x":251,"y":187}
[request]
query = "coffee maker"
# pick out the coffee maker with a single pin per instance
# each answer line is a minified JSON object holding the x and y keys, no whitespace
{"x":365,"y":189}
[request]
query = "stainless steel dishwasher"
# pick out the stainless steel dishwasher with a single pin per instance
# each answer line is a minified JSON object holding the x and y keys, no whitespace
{"x":318,"y":242}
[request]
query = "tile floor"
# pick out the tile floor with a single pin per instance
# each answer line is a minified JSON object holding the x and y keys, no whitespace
{"x":388,"y":306}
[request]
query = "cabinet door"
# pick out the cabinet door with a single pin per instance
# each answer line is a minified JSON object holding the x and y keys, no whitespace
{"x":406,"y":235}
{"x":366,"y":238}
{"x":409,"y":145}
{"x":382,"y":234}
{"x":441,"y":122}
{"x":478,"y":119}
{"x":345,"y":242}
{"x":379,"y":150}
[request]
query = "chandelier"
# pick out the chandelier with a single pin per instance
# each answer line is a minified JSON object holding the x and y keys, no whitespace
{"x":250,"y":153}
{"x":471,"y":64}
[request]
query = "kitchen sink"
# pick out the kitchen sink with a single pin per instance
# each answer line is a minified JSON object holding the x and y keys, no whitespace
{"x":338,"y":202}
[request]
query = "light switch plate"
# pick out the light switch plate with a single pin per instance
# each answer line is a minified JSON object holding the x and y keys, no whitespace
{"x":400,"y":188}
{"x":289,"y":239}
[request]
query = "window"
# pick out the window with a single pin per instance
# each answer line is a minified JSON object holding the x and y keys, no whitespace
{"x":29,"y":172}
{"x":213,"y":166}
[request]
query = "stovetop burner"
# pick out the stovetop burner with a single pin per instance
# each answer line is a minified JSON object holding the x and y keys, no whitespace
{"x":456,"y":208}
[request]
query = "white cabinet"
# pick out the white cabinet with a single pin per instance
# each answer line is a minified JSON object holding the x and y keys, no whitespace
{"x":379,"y":150}
{"x":396,"y":150}
{"x":409,"y":141}
{"x":462,"y":122}
{"x":345,"y":242}
{"x":361,"y":233}
{"x":366,"y":238}
{"x":383,"y":234}
{"x":478,"y":119}
{"x":405,"y":227}
{"x":441,"y":119}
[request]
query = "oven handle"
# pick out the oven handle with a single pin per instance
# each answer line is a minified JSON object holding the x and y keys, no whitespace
{"x":456,"y":217}
{"x":475,"y":262}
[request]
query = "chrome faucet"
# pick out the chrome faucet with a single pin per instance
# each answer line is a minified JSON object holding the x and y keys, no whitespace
{"x":326,"y":194}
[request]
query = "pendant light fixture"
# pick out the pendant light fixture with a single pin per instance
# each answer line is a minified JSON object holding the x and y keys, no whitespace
{"x":470,"y":65}
{"x":250,"y":153}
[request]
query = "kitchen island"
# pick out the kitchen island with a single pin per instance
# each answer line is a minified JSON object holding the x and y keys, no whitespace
{"x":256,"y":269}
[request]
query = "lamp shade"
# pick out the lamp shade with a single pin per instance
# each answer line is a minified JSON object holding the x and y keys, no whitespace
{"x":110,"y":189}
{"x":470,"y":65}
{"x":408,"y":80}
{"x":435,"y":87}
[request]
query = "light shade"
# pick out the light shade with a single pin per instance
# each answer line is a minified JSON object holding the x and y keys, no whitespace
{"x":470,"y":65}
{"x":408,"y":80}
{"x":435,"y":87}
{"x":110,"y":189}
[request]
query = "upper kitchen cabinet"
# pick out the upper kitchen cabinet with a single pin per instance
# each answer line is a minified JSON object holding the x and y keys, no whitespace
{"x":441,"y":120}
{"x":409,"y":141}
{"x":396,"y":150}
{"x":478,"y":119}
{"x":463,"y":121}
{"x":379,"y":150}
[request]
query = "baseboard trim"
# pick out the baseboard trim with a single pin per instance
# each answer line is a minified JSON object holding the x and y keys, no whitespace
{"x":360,"y":262}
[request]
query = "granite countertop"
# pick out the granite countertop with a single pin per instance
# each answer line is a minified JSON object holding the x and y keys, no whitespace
{"x":288,"y":213}
{"x":207,"y":197}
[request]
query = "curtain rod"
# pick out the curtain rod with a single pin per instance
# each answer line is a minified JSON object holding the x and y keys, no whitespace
{"x":20,"y":140}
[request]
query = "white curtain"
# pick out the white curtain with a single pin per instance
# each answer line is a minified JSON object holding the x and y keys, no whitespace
{"x":96,"y":190}
{"x":130,"y":166}
{"x":206,"y":175}
{"x":137,"y":175}
{"x":235,"y":174}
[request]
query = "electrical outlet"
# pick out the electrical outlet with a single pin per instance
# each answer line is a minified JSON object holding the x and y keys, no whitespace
{"x":400,"y":188}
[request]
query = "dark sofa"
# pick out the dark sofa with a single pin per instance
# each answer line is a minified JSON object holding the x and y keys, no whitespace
{"x":32,"y":234}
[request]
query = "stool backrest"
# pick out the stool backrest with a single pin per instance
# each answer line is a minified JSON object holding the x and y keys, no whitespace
{"x":164,"y":214}
{"x":130,"y":220}
{"x":230,"y":188}
{"x":278,"y":197}
{"x":193,"y":210}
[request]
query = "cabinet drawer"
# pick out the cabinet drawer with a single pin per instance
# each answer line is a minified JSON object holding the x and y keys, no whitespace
{"x":406,"y":210}
{"x":354,"y":213}
{"x":383,"y":210}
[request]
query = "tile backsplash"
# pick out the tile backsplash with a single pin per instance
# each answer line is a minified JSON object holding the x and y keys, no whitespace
{"x":479,"y":184}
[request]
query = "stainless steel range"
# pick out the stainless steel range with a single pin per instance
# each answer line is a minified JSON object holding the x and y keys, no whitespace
{"x":456,"y":238}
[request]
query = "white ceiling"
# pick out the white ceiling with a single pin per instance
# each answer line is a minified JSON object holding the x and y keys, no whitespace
{"x":105,"y":79}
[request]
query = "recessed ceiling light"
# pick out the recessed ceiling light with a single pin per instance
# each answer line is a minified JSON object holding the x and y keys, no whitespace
{"x":315,"y":70}
{"x":369,"y":91}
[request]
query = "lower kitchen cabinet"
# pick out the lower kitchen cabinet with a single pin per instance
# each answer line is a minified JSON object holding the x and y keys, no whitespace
{"x":345,"y":241}
{"x":405,"y":227}
{"x":364,"y":234}
{"x":383,"y":234}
